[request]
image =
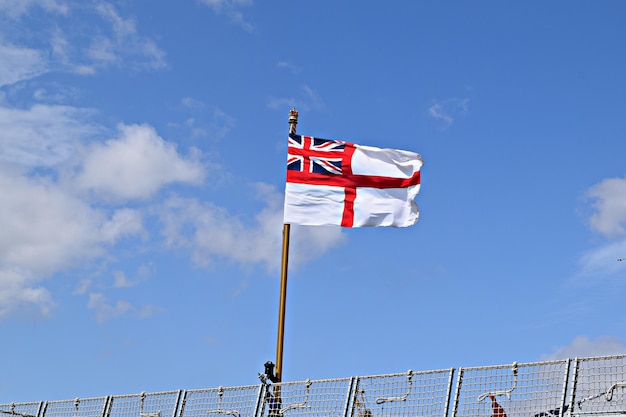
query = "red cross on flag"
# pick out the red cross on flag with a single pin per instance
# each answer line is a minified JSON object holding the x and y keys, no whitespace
{"x":332,"y":182}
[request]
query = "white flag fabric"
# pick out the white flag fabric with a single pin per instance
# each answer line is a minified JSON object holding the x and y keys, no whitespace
{"x":332,"y":182}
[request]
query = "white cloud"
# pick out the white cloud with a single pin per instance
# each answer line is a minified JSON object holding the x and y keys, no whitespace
{"x":46,"y":229}
{"x":19,"y":64}
{"x":308,"y":100}
{"x":214,"y":125}
{"x":106,"y":39}
{"x":149,"y":310}
{"x":221,"y":124}
{"x":122,"y":28}
{"x":448,"y":110}
{"x":120,"y":280}
{"x":83,"y":286}
{"x":55,"y":94}
{"x":103,"y":51}
{"x":281,"y":103}
{"x":43,"y":135}
{"x":231,"y":8}
{"x":136,"y":52}
{"x":124,"y":46}
{"x":17,"y":8}
{"x":289,"y":66}
{"x":123,"y":222}
{"x":16,"y":291}
{"x":192,"y":103}
{"x":581,"y":346}
{"x":603,"y":261}
{"x":609,"y":200}
{"x":209,"y":231}
{"x":135,"y":165}
{"x":104,"y":310}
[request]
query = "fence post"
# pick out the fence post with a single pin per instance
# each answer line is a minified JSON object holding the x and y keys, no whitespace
{"x":564,"y":393}
{"x":574,"y":382}
{"x":350,"y":392}
{"x":258,"y":408}
{"x":449,"y":394}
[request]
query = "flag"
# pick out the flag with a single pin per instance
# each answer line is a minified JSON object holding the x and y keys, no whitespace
{"x":498,"y":411}
{"x":332,"y":182}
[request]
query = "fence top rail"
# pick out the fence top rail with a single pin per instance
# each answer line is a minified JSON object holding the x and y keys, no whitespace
{"x":77,"y":401}
{"x":26,"y":409}
{"x":146,"y":394}
{"x":601,"y":358}
{"x":312,"y":381}
{"x":409,"y":372}
{"x":513,"y":364}
{"x":223,"y":388}
{"x":24,"y":404}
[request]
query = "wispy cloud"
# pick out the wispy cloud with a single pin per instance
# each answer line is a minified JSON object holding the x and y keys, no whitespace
{"x":448,"y":110}
{"x":17,"y":8}
{"x":210,"y":232}
{"x":17,"y":291}
{"x":308,"y":100}
{"x":104,"y":310}
{"x":603,"y":261}
{"x":42,"y":241}
{"x":192,"y":103}
{"x":121,"y":279}
{"x":582,"y":346}
{"x":20,"y":63}
{"x":36,"y":243}
{"x":206,"y":121}
{"x":608,"y":198}
{"x":231,"y":9}
{"x":112,"y":41}
{"x":289,"y":66}
{"x":43,"y":135}
{"x":124,"y":43}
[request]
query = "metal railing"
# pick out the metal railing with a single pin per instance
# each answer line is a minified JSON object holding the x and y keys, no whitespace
{"x":577,"y":387}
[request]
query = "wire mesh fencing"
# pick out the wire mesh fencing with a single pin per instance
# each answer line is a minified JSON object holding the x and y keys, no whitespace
{"x":533,"y":389}
{"x":79,"y":407}
{"x":579,"y":387}
{"x":233,"y":401}
{"x":30,"y":409}
{"x":407,"y":394}
{"x":598,"y":386}
{"x":155,"y":404}
{"x":319,"y":398}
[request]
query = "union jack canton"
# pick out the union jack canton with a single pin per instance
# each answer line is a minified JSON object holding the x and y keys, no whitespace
{"x":307,"y":154}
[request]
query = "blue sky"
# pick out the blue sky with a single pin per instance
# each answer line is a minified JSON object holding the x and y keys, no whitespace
{"x":142,"y":169}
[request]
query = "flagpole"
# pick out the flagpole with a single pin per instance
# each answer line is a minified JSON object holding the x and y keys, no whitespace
{"x":293,"y":121}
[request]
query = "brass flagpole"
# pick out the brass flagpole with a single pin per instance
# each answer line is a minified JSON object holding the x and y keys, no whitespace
{"x":293,"y":121}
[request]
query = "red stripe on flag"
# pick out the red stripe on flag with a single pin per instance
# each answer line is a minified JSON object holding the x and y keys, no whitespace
{"x":351,"y":180}
{"x":347,"y":219}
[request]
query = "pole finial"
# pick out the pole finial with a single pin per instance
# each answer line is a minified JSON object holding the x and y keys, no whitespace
{"x":293,"y":115}
{"x":293,"y":120}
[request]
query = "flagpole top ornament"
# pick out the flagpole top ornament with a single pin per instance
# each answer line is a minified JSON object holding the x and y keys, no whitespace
{"x":293,"y":115}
